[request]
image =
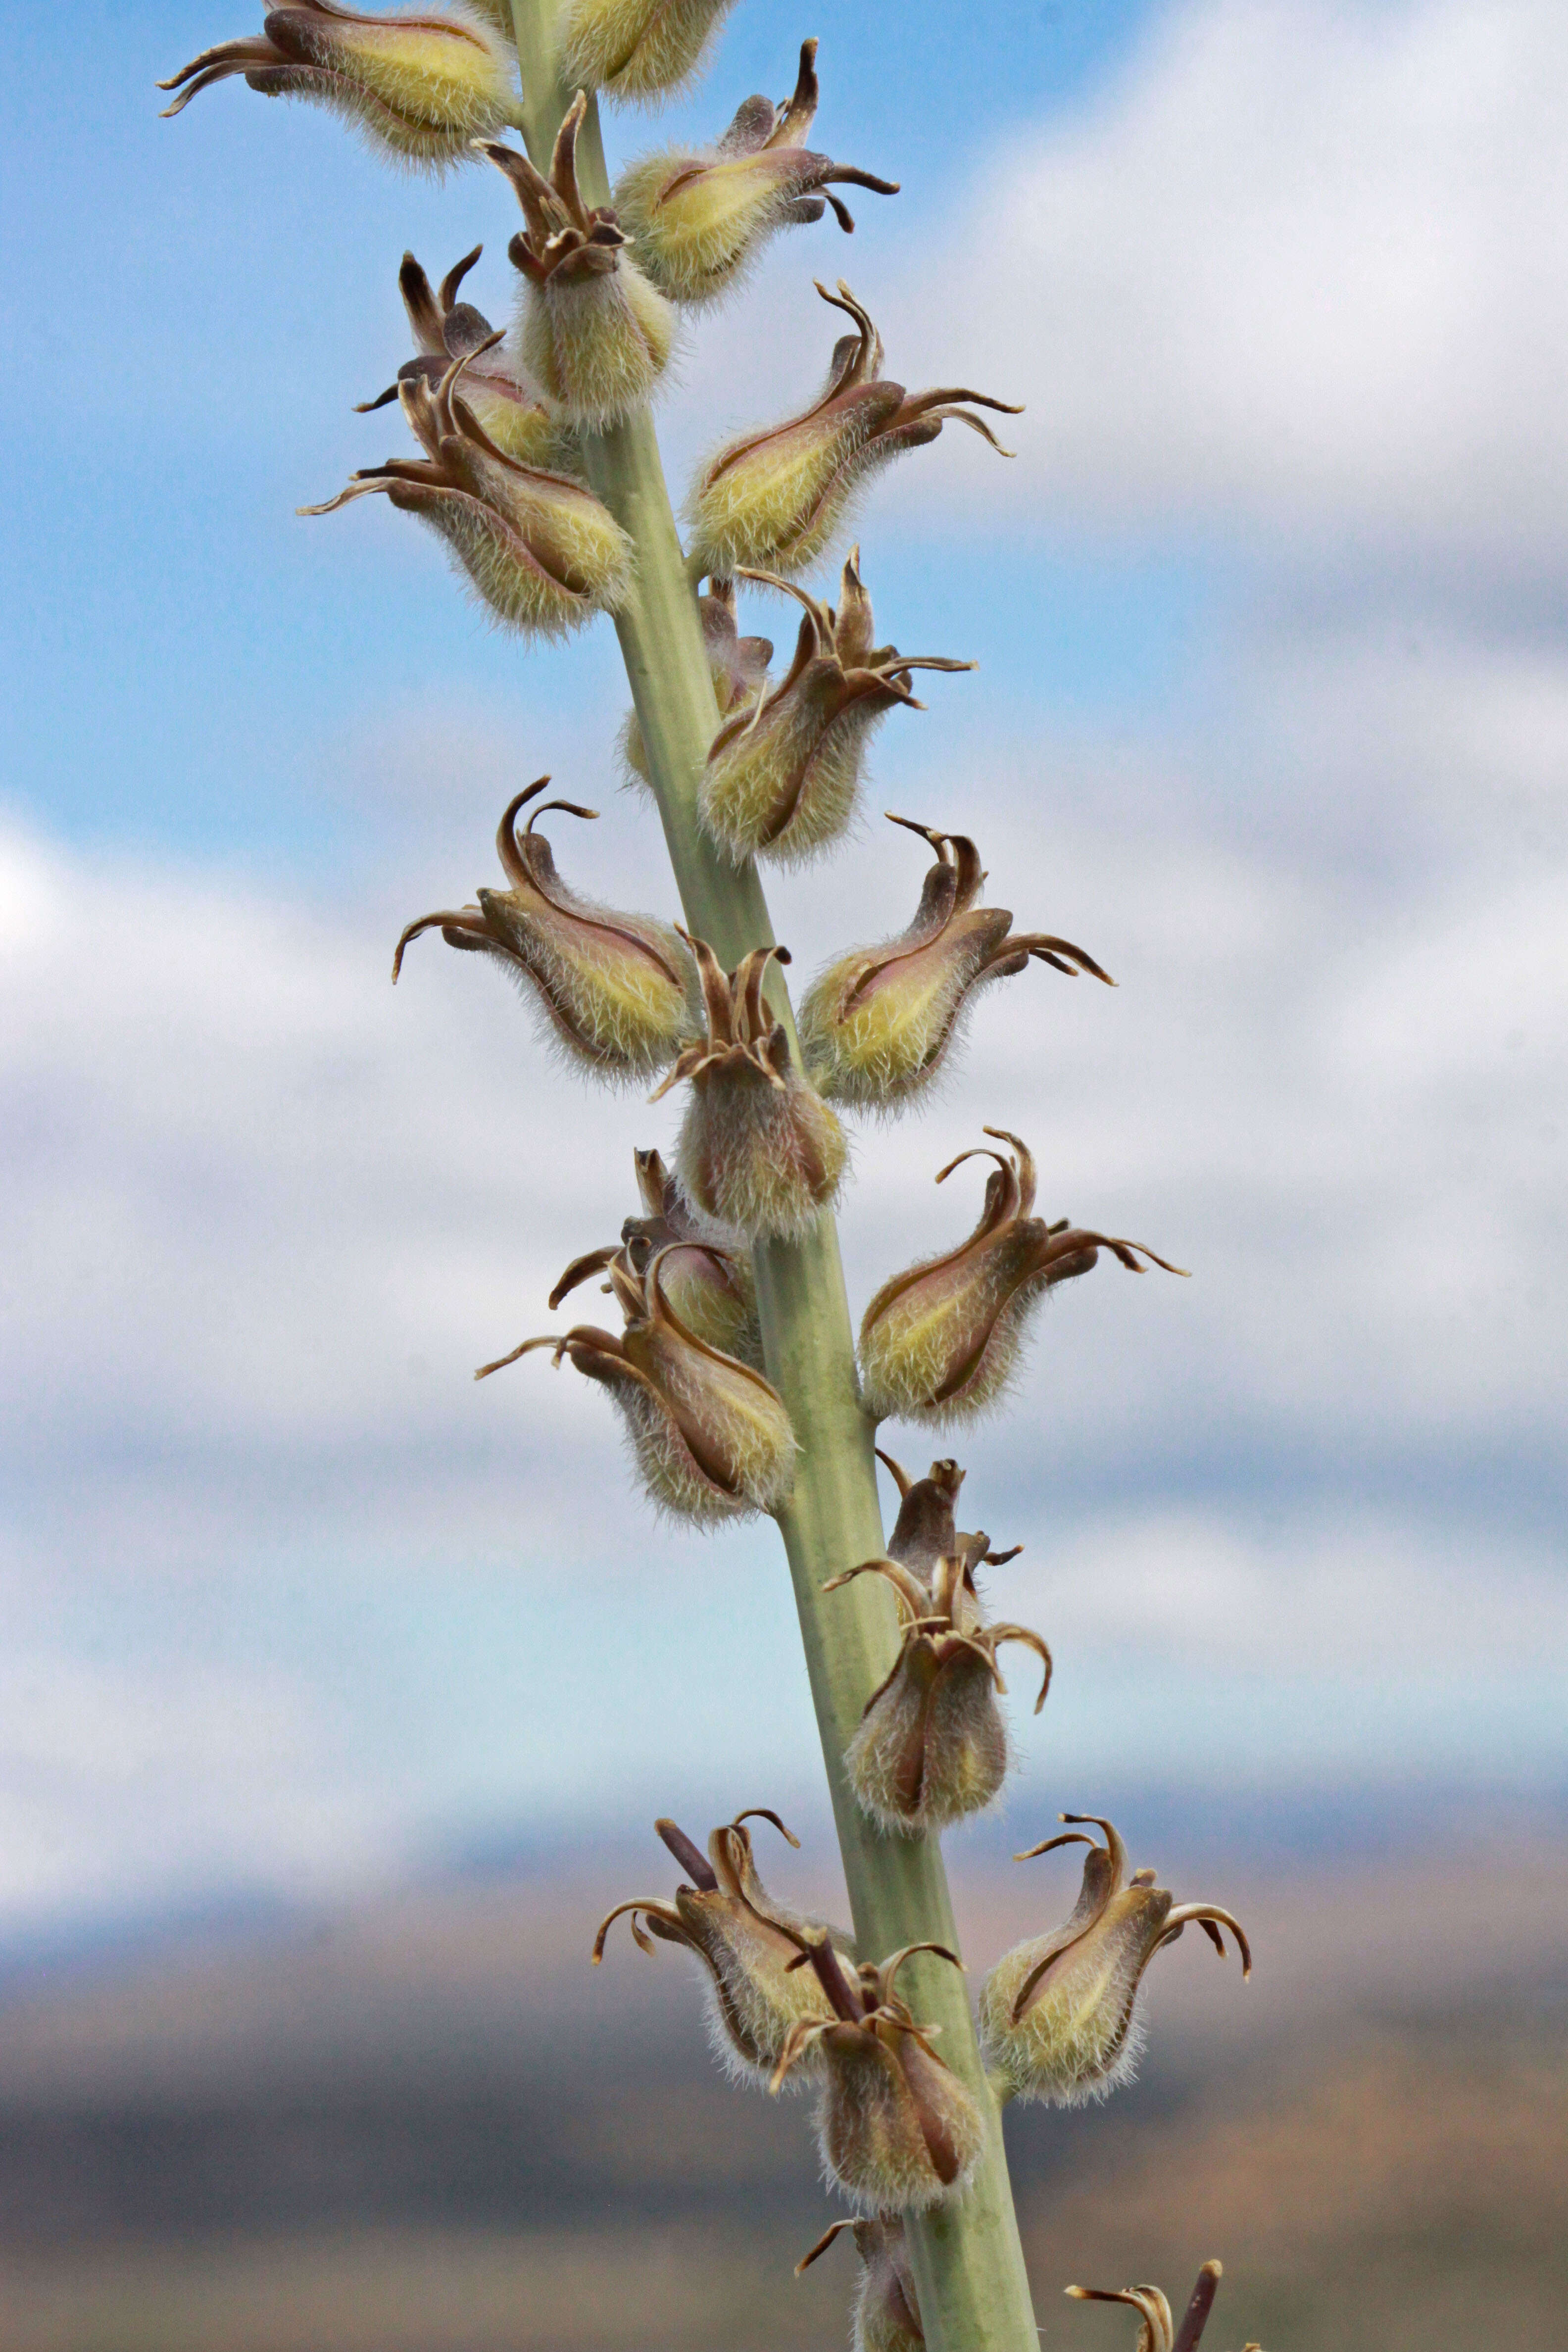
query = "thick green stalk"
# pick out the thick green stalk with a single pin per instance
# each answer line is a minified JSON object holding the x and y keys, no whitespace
{"x":968,"y":2263}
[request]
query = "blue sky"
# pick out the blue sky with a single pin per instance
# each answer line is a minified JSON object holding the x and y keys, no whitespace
{"x":1272,"y":714}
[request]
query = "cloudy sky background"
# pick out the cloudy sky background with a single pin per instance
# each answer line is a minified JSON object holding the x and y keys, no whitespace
{"x":1272,"y":716}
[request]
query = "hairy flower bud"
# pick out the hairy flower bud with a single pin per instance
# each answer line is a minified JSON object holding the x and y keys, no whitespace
{"x":1157,"y":2331}
{"x":898,"y":2131}
{"x":594,"y":332}
{"x":738,"y":666}
{"x":781,"y":778}
{"x":698,"y":216}
{"x":759,"y":1147}
{"x":931,"y":1746}
{"x":423,"y":85}
{"x":887,"y":2314}
{"x":1059,"y":2014}
{"x":638,"y":49}
{"x":445,"y":328}
{"x":709,"y":1287}
{"x":939,"y":1342}
{"x":538,"y":547}
{"x":743,"y":1940}
{"x":620,"y":990}
{"x":712,"y":1437}
{"x":876,"y":1025}
{"x":777,"y":497}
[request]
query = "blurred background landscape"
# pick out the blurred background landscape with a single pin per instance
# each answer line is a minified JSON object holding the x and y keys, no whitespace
{"x":336,"y":1695}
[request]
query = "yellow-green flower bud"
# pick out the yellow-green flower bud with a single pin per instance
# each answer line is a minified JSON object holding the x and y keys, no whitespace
{"x":876,"y":1025}
{"x":886,"y":2313}
{"x":638,"y":49}
{"x":1059,"y":2014}
{"x":782,"y":777}
{"x":743,"y":1940}
{"x":898,"y":2131}
{"x":1157,"y":2331}
{"x":707,"y":1285}
{"x":711,"y":1438}
{"x":939,"y":1342}
{"x":538,"y":547}
{"x":738,"y":666}
{"x":759,"y":1147}
{"x":777,"y":497}
{"x":696,"y":216}
{"x":423,"y":86}
{"x":620,"y":990}
{"x":445,"y":329}
{"x":594,"y":332}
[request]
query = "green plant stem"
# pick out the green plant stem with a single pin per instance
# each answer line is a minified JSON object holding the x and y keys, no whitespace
{"x":968,"y":2263}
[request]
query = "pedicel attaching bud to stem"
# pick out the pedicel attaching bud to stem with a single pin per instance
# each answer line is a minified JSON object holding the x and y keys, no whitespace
{"x":738,"y":666}
{"x":759,"y":1147}
{"x":782,"y":777}
{"x":712,"y":1437}
{"x":886,"y":2313}
{"x":1060,"y":2015}
{"x":638,"y":51}
{"x":594,"y":332}
{"x":542,"y":551}
{"x":620,"y":991}
{"x":777,"y":497}
{"x":696,"y":216}
{"x":423,"y":86}
{"x":709,"y":1286}
{"x":876,"y":1026}
{"x":1157,"y":2331}
{"x":445,"y":329}
{"x":743,"y":1940}
{"x":938,"y":1343}
{"x":898,"y":2131}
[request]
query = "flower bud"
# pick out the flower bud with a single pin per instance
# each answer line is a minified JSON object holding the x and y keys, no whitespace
{"x":421,"y":86}
{"x":638,"y":49}
{"x":887,"y":2315}
{"x":538,"y":547}
{"x":759,"y":1147}
{"x":781,"y":778}
{"x":708,"y":1286}
{"x":898,"y":2131}
{"x":711,"y":1438}
{"x":939,"y":1342}
{"x":876,"y":1025}
{"x":739,"y":666}
{"x":594,"y":332}
{"x":743,"y":1939}
{"x":931,"y":1746}
{"x":1059,"y":2014}
{"x":923,"y":1532}
{"x":1157,"y":2331}
{"x":696,"y":216}
{"x":777,"y":497}
{"x":447,"y":329}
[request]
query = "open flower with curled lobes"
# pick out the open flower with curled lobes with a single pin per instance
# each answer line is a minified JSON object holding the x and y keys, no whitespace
{"x":738,"y":666}
{"x":744,"y":1941}
{"x":538,"y":547}
{"x":423,"y":85}
{"x":698,"y":216}
{"x":781,"y":778}
{"x":594,"y":332}
{"x":445,"y":328}
{"x":898,"y":2131}
{"x":1059,"y":2014}
{"x":707,"y":1285}
{"x":619,"y":991}
{"x":876,"y":1025}
{"x":637,"y":49}
{"x":939,"y":1342}
{"x":712,"y":1437}
{"x":778,"y":498}
{"x":1157,"y":2330}
{"x":932,"y":1747}
{"x":886,"y":2313}
{"x":759,"y":1147}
